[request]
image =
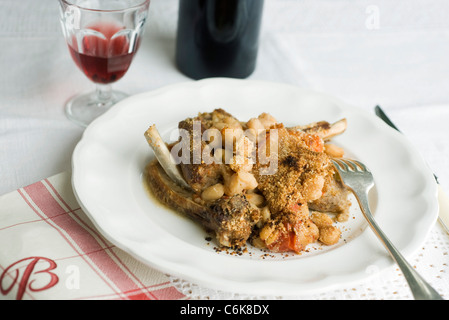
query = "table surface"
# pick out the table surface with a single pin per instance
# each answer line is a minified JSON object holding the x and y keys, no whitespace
{"x":379,"y":52}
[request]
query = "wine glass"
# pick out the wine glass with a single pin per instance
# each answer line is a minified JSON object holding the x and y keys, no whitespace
{"x":102,"y":36}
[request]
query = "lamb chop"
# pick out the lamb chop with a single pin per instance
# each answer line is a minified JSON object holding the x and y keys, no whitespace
{"x":198,"y":174}
{"x":231,"y":218}
{"x":303,"y":172}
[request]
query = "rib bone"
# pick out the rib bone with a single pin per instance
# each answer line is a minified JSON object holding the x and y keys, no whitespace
{"x":324,"y":129}
{"x":231,"y":218}
{"x":164,"y":156}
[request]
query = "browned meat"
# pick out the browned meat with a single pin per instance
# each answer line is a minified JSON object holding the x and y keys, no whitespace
{"x":231,"y":218}
{"x":299,"y":179}
{"x":197,"y":174}
{"x":210,"y":119}
{"x":335,"y":198}
{"x":247,"y":198}
{"x":234,"y":217}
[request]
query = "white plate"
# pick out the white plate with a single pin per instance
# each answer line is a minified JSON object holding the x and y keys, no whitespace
{"x":109,"y":161}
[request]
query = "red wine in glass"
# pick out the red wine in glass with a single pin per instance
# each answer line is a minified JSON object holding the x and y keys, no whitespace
{"x":102,"y":37}
{"x":104,"y":55}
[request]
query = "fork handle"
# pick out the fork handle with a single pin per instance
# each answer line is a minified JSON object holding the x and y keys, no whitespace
{"x":421,"y":290}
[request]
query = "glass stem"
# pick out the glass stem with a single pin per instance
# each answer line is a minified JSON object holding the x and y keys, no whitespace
{"x":104,"y":93}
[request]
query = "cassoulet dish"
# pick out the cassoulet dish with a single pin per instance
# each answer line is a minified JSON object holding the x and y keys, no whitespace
{"x":256,"y":182}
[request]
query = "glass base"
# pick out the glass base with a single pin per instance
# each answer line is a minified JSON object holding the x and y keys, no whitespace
{"x":85,"y":108}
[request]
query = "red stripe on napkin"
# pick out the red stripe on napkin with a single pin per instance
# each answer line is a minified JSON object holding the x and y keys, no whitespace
{"x":107,"y":246}
{"x":168,"y":293}
{"x":89,"y":245}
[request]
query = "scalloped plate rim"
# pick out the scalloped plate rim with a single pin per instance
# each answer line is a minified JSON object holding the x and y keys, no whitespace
{"x":263,"y":284}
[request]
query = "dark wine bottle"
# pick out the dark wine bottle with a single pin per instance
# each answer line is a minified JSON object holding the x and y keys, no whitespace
{"x":218,"y":38}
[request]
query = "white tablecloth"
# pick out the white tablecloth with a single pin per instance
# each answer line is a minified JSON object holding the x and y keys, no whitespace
{"x":392,"y":53}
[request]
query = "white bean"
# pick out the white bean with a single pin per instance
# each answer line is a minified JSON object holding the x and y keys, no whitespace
{"x":234,"y":185}
{"x":212,"y":193}
{"x":248,"y":180}
{"x":255,"y":199}
{"x":329,"y":235}
{"x":321,"y":220}
{"x":267,"y":120}
{"x":256,"y":125}
{"x":265,"y":213}
{"x":334,"y":151}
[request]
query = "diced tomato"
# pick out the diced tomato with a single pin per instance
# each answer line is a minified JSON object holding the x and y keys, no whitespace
{"x":314,"y":142}
{"x":287,"y":241}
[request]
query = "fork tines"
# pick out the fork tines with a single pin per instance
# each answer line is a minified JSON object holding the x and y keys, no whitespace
{"x":349,"y":165}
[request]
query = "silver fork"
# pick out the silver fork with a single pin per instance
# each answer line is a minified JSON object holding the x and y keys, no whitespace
{"x":357,"y":177}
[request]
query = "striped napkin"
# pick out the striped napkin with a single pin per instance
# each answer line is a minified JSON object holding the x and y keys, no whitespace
{"x":49,"y":249}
